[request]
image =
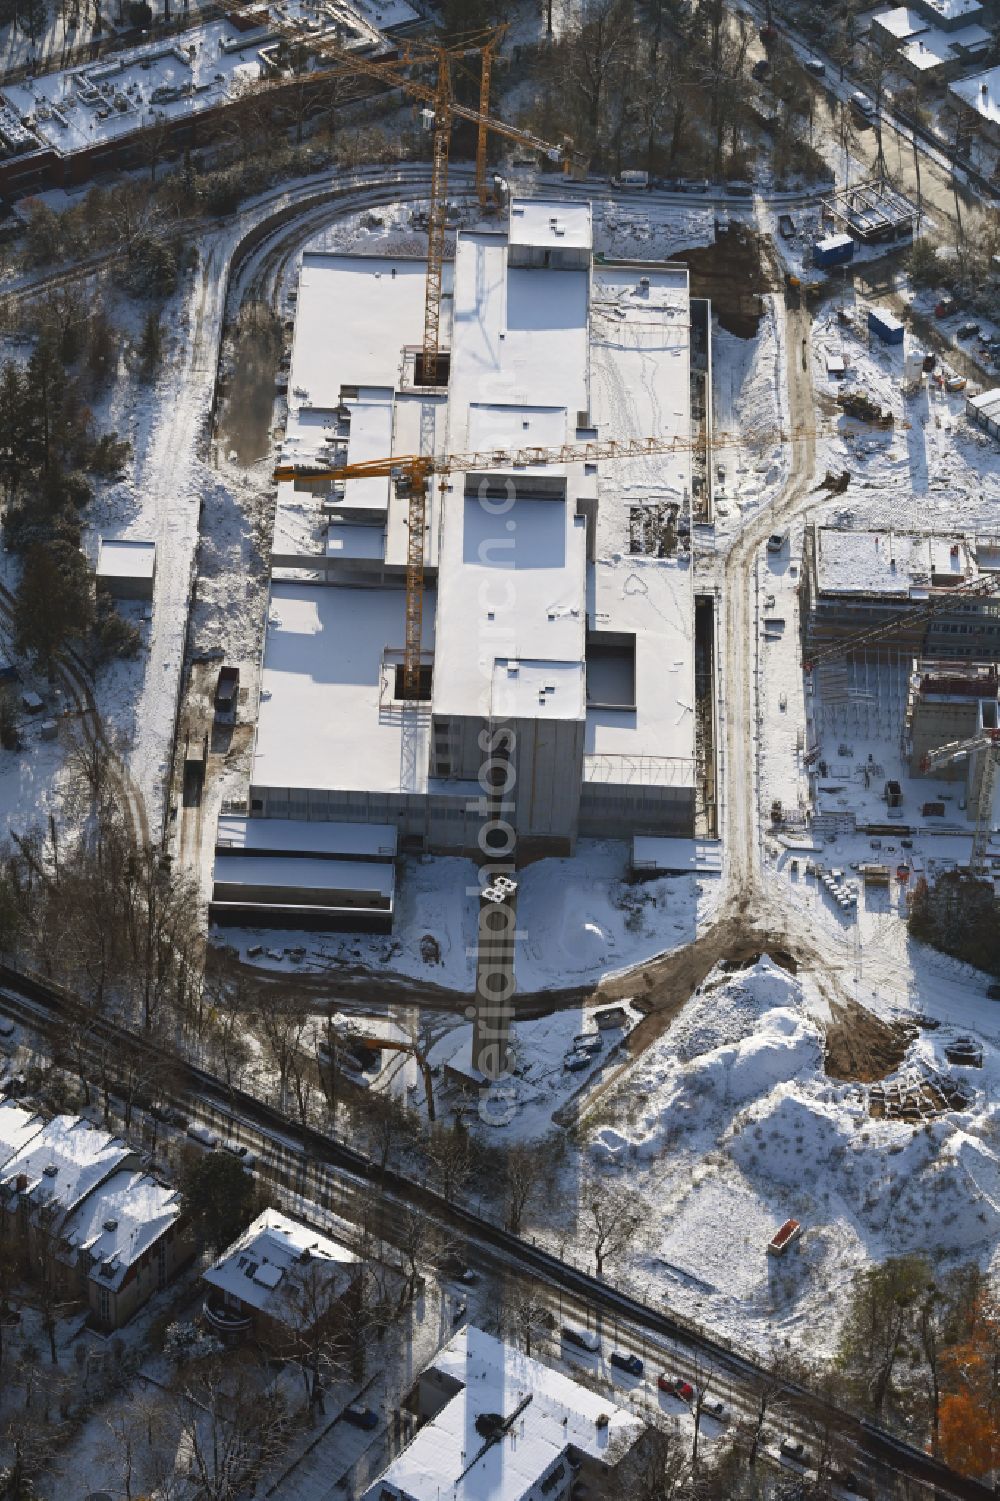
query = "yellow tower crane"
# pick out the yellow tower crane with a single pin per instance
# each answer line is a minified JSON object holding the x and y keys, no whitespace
{"x":411,"y":474}
{"x":442,"y":109}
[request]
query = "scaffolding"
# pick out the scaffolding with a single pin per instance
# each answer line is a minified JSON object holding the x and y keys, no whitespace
{"x":872,"y":212}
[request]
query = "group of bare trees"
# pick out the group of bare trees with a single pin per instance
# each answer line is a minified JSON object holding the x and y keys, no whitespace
{"x":101,"y":913}
{"x":663,"y":85}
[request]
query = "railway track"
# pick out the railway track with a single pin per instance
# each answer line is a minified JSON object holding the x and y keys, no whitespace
{"x":305,"y":1161}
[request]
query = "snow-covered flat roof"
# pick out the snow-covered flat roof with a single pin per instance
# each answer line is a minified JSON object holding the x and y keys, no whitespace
{"x":267,"y":1266}
{"x":354,"y":315}
{"x":524,"y":689}
{"x":951,"y":10}
{"x":901,"y":22}
{"x":640,"y":386}
{"x":551,"y":224}
{"x":547,"y":1411}
{"x":120,"y":1221}
{"x":981,"y":93}
{"x":123,"y":558}
{"x":640,"y":374}
{"x":928,"y":51}
{"x":671,"y":856}
{"x":985,"y":400}
{"x":319,"y":722}
{"x":65,"y":1161}
{"x":275,"y":835}
{"x":510,"y":585}
{"x":108,"y":100}
{"x":17,"y":1128}
{"x":895,"y":564}
{"x":354,"y":540}
{"x":519,"y":337}
{"x":293,"y":872}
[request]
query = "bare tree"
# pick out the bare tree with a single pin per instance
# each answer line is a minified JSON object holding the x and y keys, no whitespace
{"x":228,"y":1427}
{"x":611,"y":1213}
{"x":451,"y":1155}
{"x":522,"y":1177}
{"x":313,"y":1309}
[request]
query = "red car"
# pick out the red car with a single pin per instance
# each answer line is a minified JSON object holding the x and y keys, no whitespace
{"x":676,"y":1386}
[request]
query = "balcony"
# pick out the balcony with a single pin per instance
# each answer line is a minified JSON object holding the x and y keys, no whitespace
{"x":228,"y":1323}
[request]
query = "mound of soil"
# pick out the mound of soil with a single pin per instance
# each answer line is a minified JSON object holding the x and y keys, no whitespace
{"x":860,"y":1047}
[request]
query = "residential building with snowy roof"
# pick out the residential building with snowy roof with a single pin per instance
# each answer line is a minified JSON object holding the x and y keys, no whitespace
{"x":497,"y":1425}
{"x":56,"y":1170}
{"x":127,"y":1241}
{"x":558,"y":599}
{"x":75,"y":1196}
{"x":280,"y":1279}
{"x":17,"y":1128}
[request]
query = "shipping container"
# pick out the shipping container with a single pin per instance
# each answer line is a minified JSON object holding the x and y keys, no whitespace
{"x":884,"y":326}
{"x":835,"y":250}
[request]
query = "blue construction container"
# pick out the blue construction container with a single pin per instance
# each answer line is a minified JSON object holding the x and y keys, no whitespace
{"x":884,"y":326}
{"x":836,"y":250}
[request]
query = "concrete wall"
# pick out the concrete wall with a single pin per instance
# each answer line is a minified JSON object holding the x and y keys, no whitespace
{"x":933,"y":723}
{"x":615,"y":811}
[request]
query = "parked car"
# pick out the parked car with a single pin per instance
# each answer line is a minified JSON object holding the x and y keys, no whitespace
{"x":966,"y":330}
{"x":850,"y":1480}
{"x":715,"y":1409}
{"x":776,"y":541}
{"x":815,"y":65}
{"x":584,"y":1339}
{"x":630,"y":1363}
{"x":576,"y":1062}
{"x":675,"y":1386}
{"x":361,"y":1417}
{"x":862,"y":105}
{"x":248,"y":1158}
{"x":793,"y":1448}
{"x":203,"y":1135}
{"x":993,"y":992}
{"x":760,"y":69}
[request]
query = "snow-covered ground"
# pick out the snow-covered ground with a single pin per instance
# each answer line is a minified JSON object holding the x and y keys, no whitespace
{"x":728,"y":1125}
{"x":583,"y":921}
{"x":750,"y":406}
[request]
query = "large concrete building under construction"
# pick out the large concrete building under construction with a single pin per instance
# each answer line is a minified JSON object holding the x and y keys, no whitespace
{"x":558,"y":599}
{"x":934,"y":590}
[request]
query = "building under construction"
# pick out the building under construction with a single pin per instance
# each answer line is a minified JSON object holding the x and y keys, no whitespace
{"x":929,"y":593}
{"x":557,"y":598}
{"x":949,"y":703}
{"x":873,"y":212}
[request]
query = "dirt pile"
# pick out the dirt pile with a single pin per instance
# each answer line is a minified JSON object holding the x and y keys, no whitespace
{"x":733,"y":273}
{"x":860,"y":1047}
